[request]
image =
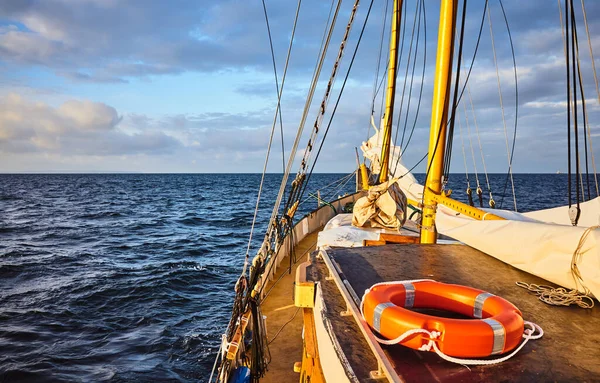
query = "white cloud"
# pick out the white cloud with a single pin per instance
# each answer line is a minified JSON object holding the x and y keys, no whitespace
{"x":80,"y":127}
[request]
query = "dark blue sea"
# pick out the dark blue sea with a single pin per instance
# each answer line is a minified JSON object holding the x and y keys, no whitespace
{"x":129,"y":277}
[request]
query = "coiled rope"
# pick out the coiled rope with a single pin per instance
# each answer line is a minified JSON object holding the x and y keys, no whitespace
{"x":558,"y":296}
{"x":528,"y":334}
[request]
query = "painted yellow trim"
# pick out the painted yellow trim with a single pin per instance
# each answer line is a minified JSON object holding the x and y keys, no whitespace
{"x":304,"y":291}
{"x":390,"y":94}
{"x":311,"y":370}
{"x":413,"y":202}
{"x":439,"y":114}
{"x":364,"y":177}
{"x":465,"y":209}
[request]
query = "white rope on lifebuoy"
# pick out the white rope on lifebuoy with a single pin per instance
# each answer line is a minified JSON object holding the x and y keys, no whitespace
{"x":528,"y":334}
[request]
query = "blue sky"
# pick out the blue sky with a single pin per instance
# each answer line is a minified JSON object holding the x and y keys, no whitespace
{"x":187,"y":86}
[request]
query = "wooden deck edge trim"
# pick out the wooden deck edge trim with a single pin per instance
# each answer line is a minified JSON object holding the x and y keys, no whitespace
{"x":383,"y":361}
{"x":330,"y":352}
{"x":399,"y":238}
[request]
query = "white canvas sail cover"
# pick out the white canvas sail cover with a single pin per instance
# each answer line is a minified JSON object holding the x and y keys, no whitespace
{"x":384,"y":206}
{"x":539,"y":248}
{"x":542,"y":242}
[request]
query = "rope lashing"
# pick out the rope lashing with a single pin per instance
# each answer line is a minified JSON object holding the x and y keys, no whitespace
{"x":470,"y":196}
{"x":480,"y":195}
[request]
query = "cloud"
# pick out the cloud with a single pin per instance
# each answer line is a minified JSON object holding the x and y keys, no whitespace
{"x":113,"y":43}
{"x":75,"y":127}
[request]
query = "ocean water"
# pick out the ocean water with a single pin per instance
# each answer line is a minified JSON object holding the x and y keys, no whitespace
{"x":129,"y":277}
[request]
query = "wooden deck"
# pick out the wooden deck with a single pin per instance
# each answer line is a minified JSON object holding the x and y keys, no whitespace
{"x":569,"y":350}
{"x":279,"y":308}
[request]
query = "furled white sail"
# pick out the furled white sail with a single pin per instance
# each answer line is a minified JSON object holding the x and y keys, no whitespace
{"x":372,"y":150}
{"x":539,"y":248}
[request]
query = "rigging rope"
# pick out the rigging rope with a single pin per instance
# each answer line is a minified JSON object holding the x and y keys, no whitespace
{"x":277,"y":110}
{"x":461,"y":93}
{"x":587,"y":31}
{"x":462,"y":141}
{"x":299,"y":184}
{"x":479,"y":191}
{"x":572,"y":213}
{"x":575,"y":122}
{"x":402,"y":145}
{"x":585,"y":124}
{"x":310,"y":95}
{"x":339,"y":181}
{"x":512,"y":150}
{"x":508,"y":153}
{"x":338,"y":98}
{"x":378,"y":67}
{"x":584,"y":110}
{"x":410,"y":51}
{"x":492,"y":203}
{"x":450,"y":139}
{"x":246,"y":287}
{"x":570,"y":59}
{"x":459,"y":98}
{"x":585,"y":116}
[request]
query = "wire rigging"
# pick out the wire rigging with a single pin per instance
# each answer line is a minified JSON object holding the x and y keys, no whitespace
{"x":378,"y":66}
{"x":304,"y":116}
{"x":410,"y":52}
{"x":462,"y":141}
{"x":338,"y":98}
{"x":384,"y":76}
{"x":587,"y":31}
{"x":276,"y":84}
{"x":508,"y":152}
{"x":575,"y":122}
{"x":277,"y":111}
{"x":478,"y":190}
{"x":571,"y":64}
{"x":297,"y":185}
{"x":579,"y":70}
{"x":586,"y":124}
{"x":492,"y":203}
{"x":450,"y":139}
{"x":402,"y":145}
{"x":464,"y":87}
{"x":585,"y":130}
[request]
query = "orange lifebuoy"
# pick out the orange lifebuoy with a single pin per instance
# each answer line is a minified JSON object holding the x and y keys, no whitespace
{"x":497,"y":326}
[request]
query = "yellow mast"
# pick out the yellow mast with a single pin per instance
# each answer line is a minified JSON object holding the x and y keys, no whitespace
{"x":439,"y":116}
{"x":390,"y":93}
